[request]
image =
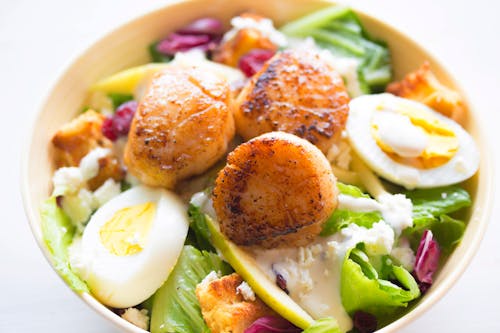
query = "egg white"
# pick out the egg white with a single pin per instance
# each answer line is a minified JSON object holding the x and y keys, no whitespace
{"x":461,"y":166}
{"x":125,"y":281}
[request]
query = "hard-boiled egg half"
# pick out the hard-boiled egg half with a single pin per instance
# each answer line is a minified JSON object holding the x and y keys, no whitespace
{"x":131,"y":244}
{"x":410,"y":144}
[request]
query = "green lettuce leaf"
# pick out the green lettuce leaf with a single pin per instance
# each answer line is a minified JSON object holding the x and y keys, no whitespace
{"x":58,"y":232}
{"x":341,"y":218}
{"x":438,"y":201}
{"x":200,"y":235}
{"x":351,"y":190}
{"x":339,"y":30}
{"x":119,"y":99}
{"x":362,"y":289}
{"x":175,"y":306}
{"x":430,"y":209}
{"x":324,"y":325}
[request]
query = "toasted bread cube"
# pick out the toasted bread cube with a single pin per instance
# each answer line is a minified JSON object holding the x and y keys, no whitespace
{"x":224,"y":309}
{"x":80,"y":136}
{"x":423,"y":86}
{"x":230,"y":51}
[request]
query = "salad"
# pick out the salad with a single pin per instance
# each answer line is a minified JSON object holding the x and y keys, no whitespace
{"x":261,"y":179}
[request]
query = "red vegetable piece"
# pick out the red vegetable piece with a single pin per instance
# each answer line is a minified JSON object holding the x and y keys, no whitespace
{"x":119,"y":124}
{"x":364,"y":322}
{"x":427,"y":258}
{"x":180,"y":43}
{"x":206,"y":25}
{"x":272,"y":324}
{"x":252,"y":62}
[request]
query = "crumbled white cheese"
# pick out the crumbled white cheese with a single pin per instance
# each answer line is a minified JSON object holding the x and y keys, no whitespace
{"x":79,"y":207}
{"x":378,"y":240}
{"x":404,"y":256}
{"x":246,"y":291}
{"x":137,"y":317}
{"x":397,"y":210}
{"x":67,"y":180}
{"x":89,"y":165}
{"x":264,"y":26}
{"x":107,"y":191}
{"x":212,"y":276}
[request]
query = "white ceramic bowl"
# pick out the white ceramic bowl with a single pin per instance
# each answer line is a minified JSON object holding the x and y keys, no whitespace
{"x":127,"y":46}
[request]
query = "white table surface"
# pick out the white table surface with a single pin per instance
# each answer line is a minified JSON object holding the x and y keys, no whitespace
{"x":38,"y":37}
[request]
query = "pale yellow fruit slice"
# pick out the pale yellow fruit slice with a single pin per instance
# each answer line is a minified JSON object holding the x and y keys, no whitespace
{"x":266,"y":289}
{"x":126,"y":81}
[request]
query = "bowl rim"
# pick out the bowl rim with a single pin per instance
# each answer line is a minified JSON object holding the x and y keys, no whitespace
{"x":486,"y":177}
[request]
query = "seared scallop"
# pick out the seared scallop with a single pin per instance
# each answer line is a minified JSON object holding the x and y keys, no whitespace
{"x":275,"y":190}
{"x":182,"y":126}
{"x":296,"y":92}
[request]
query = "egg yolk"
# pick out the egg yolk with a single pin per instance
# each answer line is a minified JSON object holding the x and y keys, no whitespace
{"x":126,"y":232}
{"x":441,"y":143}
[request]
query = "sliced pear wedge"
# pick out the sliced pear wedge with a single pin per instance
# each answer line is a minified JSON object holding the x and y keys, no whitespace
{"x":266,"y":289}
{"x":126,"y":81}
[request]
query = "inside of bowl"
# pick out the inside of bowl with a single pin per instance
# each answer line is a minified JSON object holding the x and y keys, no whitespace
{"x":127,"y":46}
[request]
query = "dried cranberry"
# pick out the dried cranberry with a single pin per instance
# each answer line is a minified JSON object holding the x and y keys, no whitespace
{"x":364,"y":322}
{"x":252,"y":62}
{"x":206,"y":25}
{"x":281,"y":282}
{"x":119,"y":124}
{"x":427,"y":258}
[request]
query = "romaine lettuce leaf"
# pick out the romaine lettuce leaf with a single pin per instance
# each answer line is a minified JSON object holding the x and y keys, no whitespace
{"x":198,"y":229}
{"x":175,"y":306}
{"x":339,"y":30}
{"x":324,"y":325}
{"x":58,"y":232}
{"x":362,"y":289}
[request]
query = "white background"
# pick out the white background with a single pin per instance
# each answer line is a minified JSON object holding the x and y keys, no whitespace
{"x":38,"y":37}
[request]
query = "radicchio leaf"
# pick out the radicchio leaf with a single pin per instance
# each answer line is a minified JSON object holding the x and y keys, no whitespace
{"x":427,"y":258}
{"x":272,"y":324}
{"x":252,"y":62}
{"x":364,"y":322}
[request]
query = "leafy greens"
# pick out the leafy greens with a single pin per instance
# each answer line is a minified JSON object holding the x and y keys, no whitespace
{"x":175,"y":307}
{"x":58,"y":232}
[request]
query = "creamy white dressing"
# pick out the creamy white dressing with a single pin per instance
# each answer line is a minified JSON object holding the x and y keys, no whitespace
{"x":396,"y":209}
{"x":312,"y":276}
{"x":397,"y":131}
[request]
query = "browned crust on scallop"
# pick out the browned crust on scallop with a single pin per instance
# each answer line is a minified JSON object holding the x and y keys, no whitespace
{"x":296,"y":92}
{"x":224,"y":309}
{"x":182,"y":126}
{"x":275,"y":190}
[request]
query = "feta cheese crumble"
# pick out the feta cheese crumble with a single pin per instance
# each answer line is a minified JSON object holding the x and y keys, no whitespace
{"x":246,"y":291}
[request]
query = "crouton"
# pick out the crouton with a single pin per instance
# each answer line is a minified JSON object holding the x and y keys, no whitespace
{"x":224,"y":309}
{"x":422,"y":85}
{"x":76,"y":139}
{"x":231,"y":50}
